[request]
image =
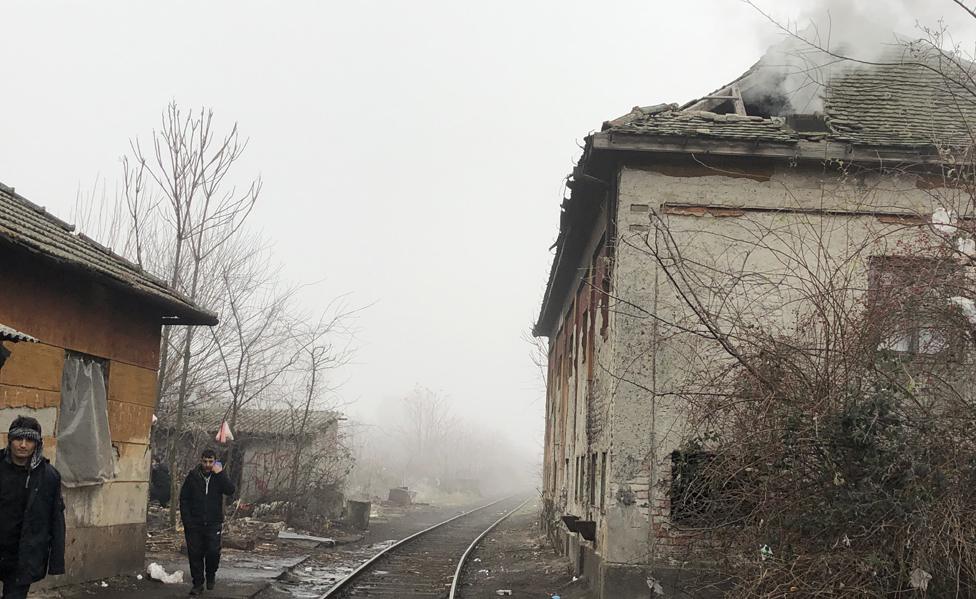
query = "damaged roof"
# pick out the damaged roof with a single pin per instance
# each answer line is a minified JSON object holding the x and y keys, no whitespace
{"x":795,"y":103}
{"x":909,"y":97}
{"x":698,"y":123}
{"x":28,"y":226}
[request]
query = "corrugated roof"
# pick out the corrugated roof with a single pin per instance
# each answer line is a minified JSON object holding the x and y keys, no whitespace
{"x":9,"y":334}
{"x":31,"y":227}
{"x":256,"y":421}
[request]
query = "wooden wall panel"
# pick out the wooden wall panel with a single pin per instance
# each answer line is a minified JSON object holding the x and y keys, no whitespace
{"x":132,"y":384}
{"x":128,"y":422}
{"x":33,"y":365}
{"x":66,"y":309}
{"x":109,"y":504}
{"x":96,"y":553}
{"x":22,"y":397}
{"x":133,"y":462}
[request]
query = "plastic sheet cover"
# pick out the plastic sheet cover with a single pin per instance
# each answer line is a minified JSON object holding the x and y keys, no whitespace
{"x":84,"y":451}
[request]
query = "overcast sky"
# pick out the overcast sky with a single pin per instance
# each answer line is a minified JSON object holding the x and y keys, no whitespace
{"x":413,"y":153}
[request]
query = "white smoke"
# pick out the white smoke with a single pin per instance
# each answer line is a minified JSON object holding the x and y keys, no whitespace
{"x":803,"y":44}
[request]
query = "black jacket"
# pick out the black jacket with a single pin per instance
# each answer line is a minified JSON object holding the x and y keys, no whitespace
{"x":42,"y":536}
{"x":200,"y":506}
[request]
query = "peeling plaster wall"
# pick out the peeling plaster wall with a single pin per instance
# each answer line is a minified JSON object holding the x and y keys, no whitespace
{"x":69,"y":311}
{"x":655,"y":362}
{"x":577,"y":442}
{"x":639,"y":363}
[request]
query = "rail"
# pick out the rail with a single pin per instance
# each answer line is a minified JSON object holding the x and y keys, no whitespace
{"x":343,"y":584}
{"x":474,"y":543}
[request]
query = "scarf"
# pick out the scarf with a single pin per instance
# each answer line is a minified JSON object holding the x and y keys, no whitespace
{"x":31,"y":434}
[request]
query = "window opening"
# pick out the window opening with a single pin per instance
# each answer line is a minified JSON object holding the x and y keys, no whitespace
{"x":603,"y":480}
{"x":84,"y":442}
{"x":593,"y":458}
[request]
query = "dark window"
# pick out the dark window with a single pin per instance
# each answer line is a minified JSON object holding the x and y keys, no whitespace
{"x":691,"y":492}
{"x":593,"y":479}
{"x":603,"y":480}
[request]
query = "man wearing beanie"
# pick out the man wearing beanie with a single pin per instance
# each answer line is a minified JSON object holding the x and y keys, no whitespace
{"x":31,"y":511}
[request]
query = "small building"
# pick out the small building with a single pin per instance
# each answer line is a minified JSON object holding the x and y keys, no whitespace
{"x":700,"y":180}
{"x":261,"y":456}
{"x":82,"y":328}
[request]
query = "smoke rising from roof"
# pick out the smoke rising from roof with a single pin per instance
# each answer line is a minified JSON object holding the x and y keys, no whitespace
{"x":805,"y":53}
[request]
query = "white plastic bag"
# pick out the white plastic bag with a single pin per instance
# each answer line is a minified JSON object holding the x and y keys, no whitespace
{"x":157,"y":572}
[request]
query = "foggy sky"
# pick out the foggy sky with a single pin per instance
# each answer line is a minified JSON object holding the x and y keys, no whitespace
{"x":413,"y":153}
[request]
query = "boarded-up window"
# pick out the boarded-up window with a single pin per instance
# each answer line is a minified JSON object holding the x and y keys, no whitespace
{"x":84,"y":454}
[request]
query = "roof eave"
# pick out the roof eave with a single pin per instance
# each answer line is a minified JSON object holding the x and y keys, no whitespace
{"x":178,"y":312}
{"x":802,"y":150}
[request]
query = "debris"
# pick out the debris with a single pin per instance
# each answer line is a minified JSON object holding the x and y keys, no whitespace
{"x":503,"y":592}
{"x":237,"y":541}
{"x":765,"y":553}
{"x":104,"y":585}
{"x":267,"y":509}
{"x":919,"y":579}
{"x":944,"y":221}
{"x":138,"y":576}
{"x":400,"y":496}
{"x":655,"y":586}
{"x":156,"y":572}
{"x":305,"y":540}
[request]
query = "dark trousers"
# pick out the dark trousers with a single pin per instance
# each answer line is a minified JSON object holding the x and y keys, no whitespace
{"x":14,"y":591}
{"x":203,"y":549}
{"x":8,"y":573}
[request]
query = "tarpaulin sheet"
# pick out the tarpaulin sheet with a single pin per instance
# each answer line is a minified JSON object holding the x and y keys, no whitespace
{"x":84,"y":455}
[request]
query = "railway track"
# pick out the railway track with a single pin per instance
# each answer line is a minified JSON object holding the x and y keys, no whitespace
{"x":426,"y":565}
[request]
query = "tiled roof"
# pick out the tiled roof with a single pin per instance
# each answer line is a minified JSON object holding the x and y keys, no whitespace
{"x":908,"y":99}
{"x":9,"y":334}
{"x":710,"y":125}
{"x":256,"y":421}
{"x":31,"y":227}
{"x":901,"y":103}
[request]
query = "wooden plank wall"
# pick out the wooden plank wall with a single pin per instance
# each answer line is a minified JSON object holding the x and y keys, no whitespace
{"x":70,"y":311}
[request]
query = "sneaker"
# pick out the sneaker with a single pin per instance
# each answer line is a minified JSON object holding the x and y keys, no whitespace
{"x":197,"y":590}
{"x":210,"y":584}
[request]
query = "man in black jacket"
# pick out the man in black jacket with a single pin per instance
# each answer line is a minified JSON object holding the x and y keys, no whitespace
{"x":31,"y":511}
{"x":202,"y":511}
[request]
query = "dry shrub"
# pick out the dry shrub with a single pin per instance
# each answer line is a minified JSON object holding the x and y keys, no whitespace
{"x":833,"y":468}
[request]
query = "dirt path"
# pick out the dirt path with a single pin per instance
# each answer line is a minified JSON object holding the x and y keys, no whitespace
{"x":516,"y":557}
